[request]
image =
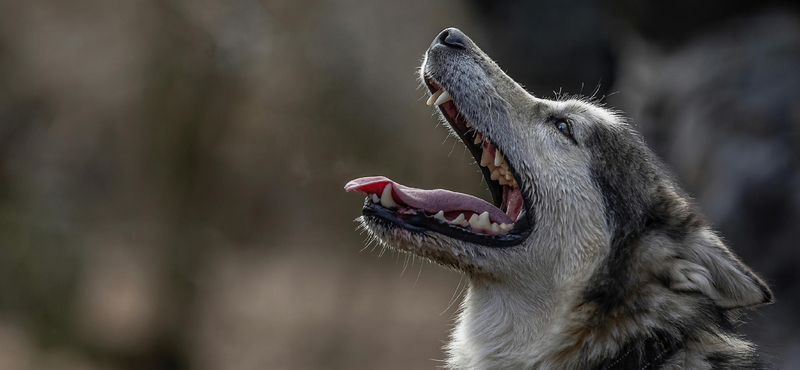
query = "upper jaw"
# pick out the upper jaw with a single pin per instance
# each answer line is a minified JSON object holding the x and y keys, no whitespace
{"x":497,"y":170}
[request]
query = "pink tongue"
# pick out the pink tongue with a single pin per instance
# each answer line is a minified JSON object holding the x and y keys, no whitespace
{"x":432,"y":201}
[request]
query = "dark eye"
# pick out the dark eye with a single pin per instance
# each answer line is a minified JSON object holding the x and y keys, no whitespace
{"x":563,"y":126}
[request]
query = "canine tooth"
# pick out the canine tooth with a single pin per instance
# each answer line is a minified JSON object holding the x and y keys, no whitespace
{"x":444,"y":98}
{"x":485,"y":160}
{"x":495,"y":228}
{"x":375,"y":198}
{"x":386,"y":197}
{"x":461,"y":220}
{"x":440,"y":216}
{"x":498,"y":158}
{"x":435,"y":96}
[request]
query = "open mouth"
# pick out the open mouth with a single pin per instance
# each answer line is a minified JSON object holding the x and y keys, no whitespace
{"x":453,"y":214}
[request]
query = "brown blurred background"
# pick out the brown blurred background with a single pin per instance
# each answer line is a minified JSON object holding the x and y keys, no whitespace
{"x":171,"y":171}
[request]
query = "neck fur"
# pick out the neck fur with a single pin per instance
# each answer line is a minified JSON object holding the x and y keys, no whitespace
{"x":514,"y":322}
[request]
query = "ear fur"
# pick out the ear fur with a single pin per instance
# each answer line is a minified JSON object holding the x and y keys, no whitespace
{"x":708,"y":267}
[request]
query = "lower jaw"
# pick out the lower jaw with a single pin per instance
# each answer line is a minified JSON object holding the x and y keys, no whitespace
{"x":421,"y":223}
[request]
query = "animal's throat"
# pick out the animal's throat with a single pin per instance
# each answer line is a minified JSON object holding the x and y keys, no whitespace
{"x":457,"y":215}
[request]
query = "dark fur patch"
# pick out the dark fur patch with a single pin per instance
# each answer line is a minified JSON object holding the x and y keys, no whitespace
{"x":728,"y":361}
{"x":639,"y":196}
{"x":624,"y":172}
{"x":635,"y":186}
{"x":644,"y":353}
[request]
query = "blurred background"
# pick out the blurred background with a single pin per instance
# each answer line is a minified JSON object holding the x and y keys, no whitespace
{"x":171,"y":171}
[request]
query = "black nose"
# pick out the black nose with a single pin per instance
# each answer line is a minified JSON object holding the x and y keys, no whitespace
{"x":452,"y":37}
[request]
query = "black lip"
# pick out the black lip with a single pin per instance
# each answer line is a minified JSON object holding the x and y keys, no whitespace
{"x":420,"y":222}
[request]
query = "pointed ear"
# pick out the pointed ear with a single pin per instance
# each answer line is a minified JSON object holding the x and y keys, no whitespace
{"x":707,"y":266}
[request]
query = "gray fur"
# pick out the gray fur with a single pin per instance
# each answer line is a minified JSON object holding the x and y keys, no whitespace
{"x":620,"y":268}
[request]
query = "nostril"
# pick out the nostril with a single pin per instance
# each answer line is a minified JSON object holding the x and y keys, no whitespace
{"x":452,"y":37}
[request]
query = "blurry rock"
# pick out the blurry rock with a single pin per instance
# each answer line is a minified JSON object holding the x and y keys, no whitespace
{"x":118,"y":303}
{"x":66,"y":360}
{"x":16,"y":349}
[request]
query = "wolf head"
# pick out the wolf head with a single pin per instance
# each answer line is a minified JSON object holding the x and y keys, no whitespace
{"x":589,"y":239}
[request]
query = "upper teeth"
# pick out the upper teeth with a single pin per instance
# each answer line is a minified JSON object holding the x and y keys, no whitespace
{"x":445,"y":97}
{"x":440,"y":97}
{"x":498,"y":167}
{"x":493,"y":159}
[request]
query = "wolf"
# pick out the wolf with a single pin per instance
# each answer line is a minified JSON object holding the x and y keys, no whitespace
{"x":590,"y":255}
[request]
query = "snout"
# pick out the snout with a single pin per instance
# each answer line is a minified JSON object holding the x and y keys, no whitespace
{"x":451,"y":38}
